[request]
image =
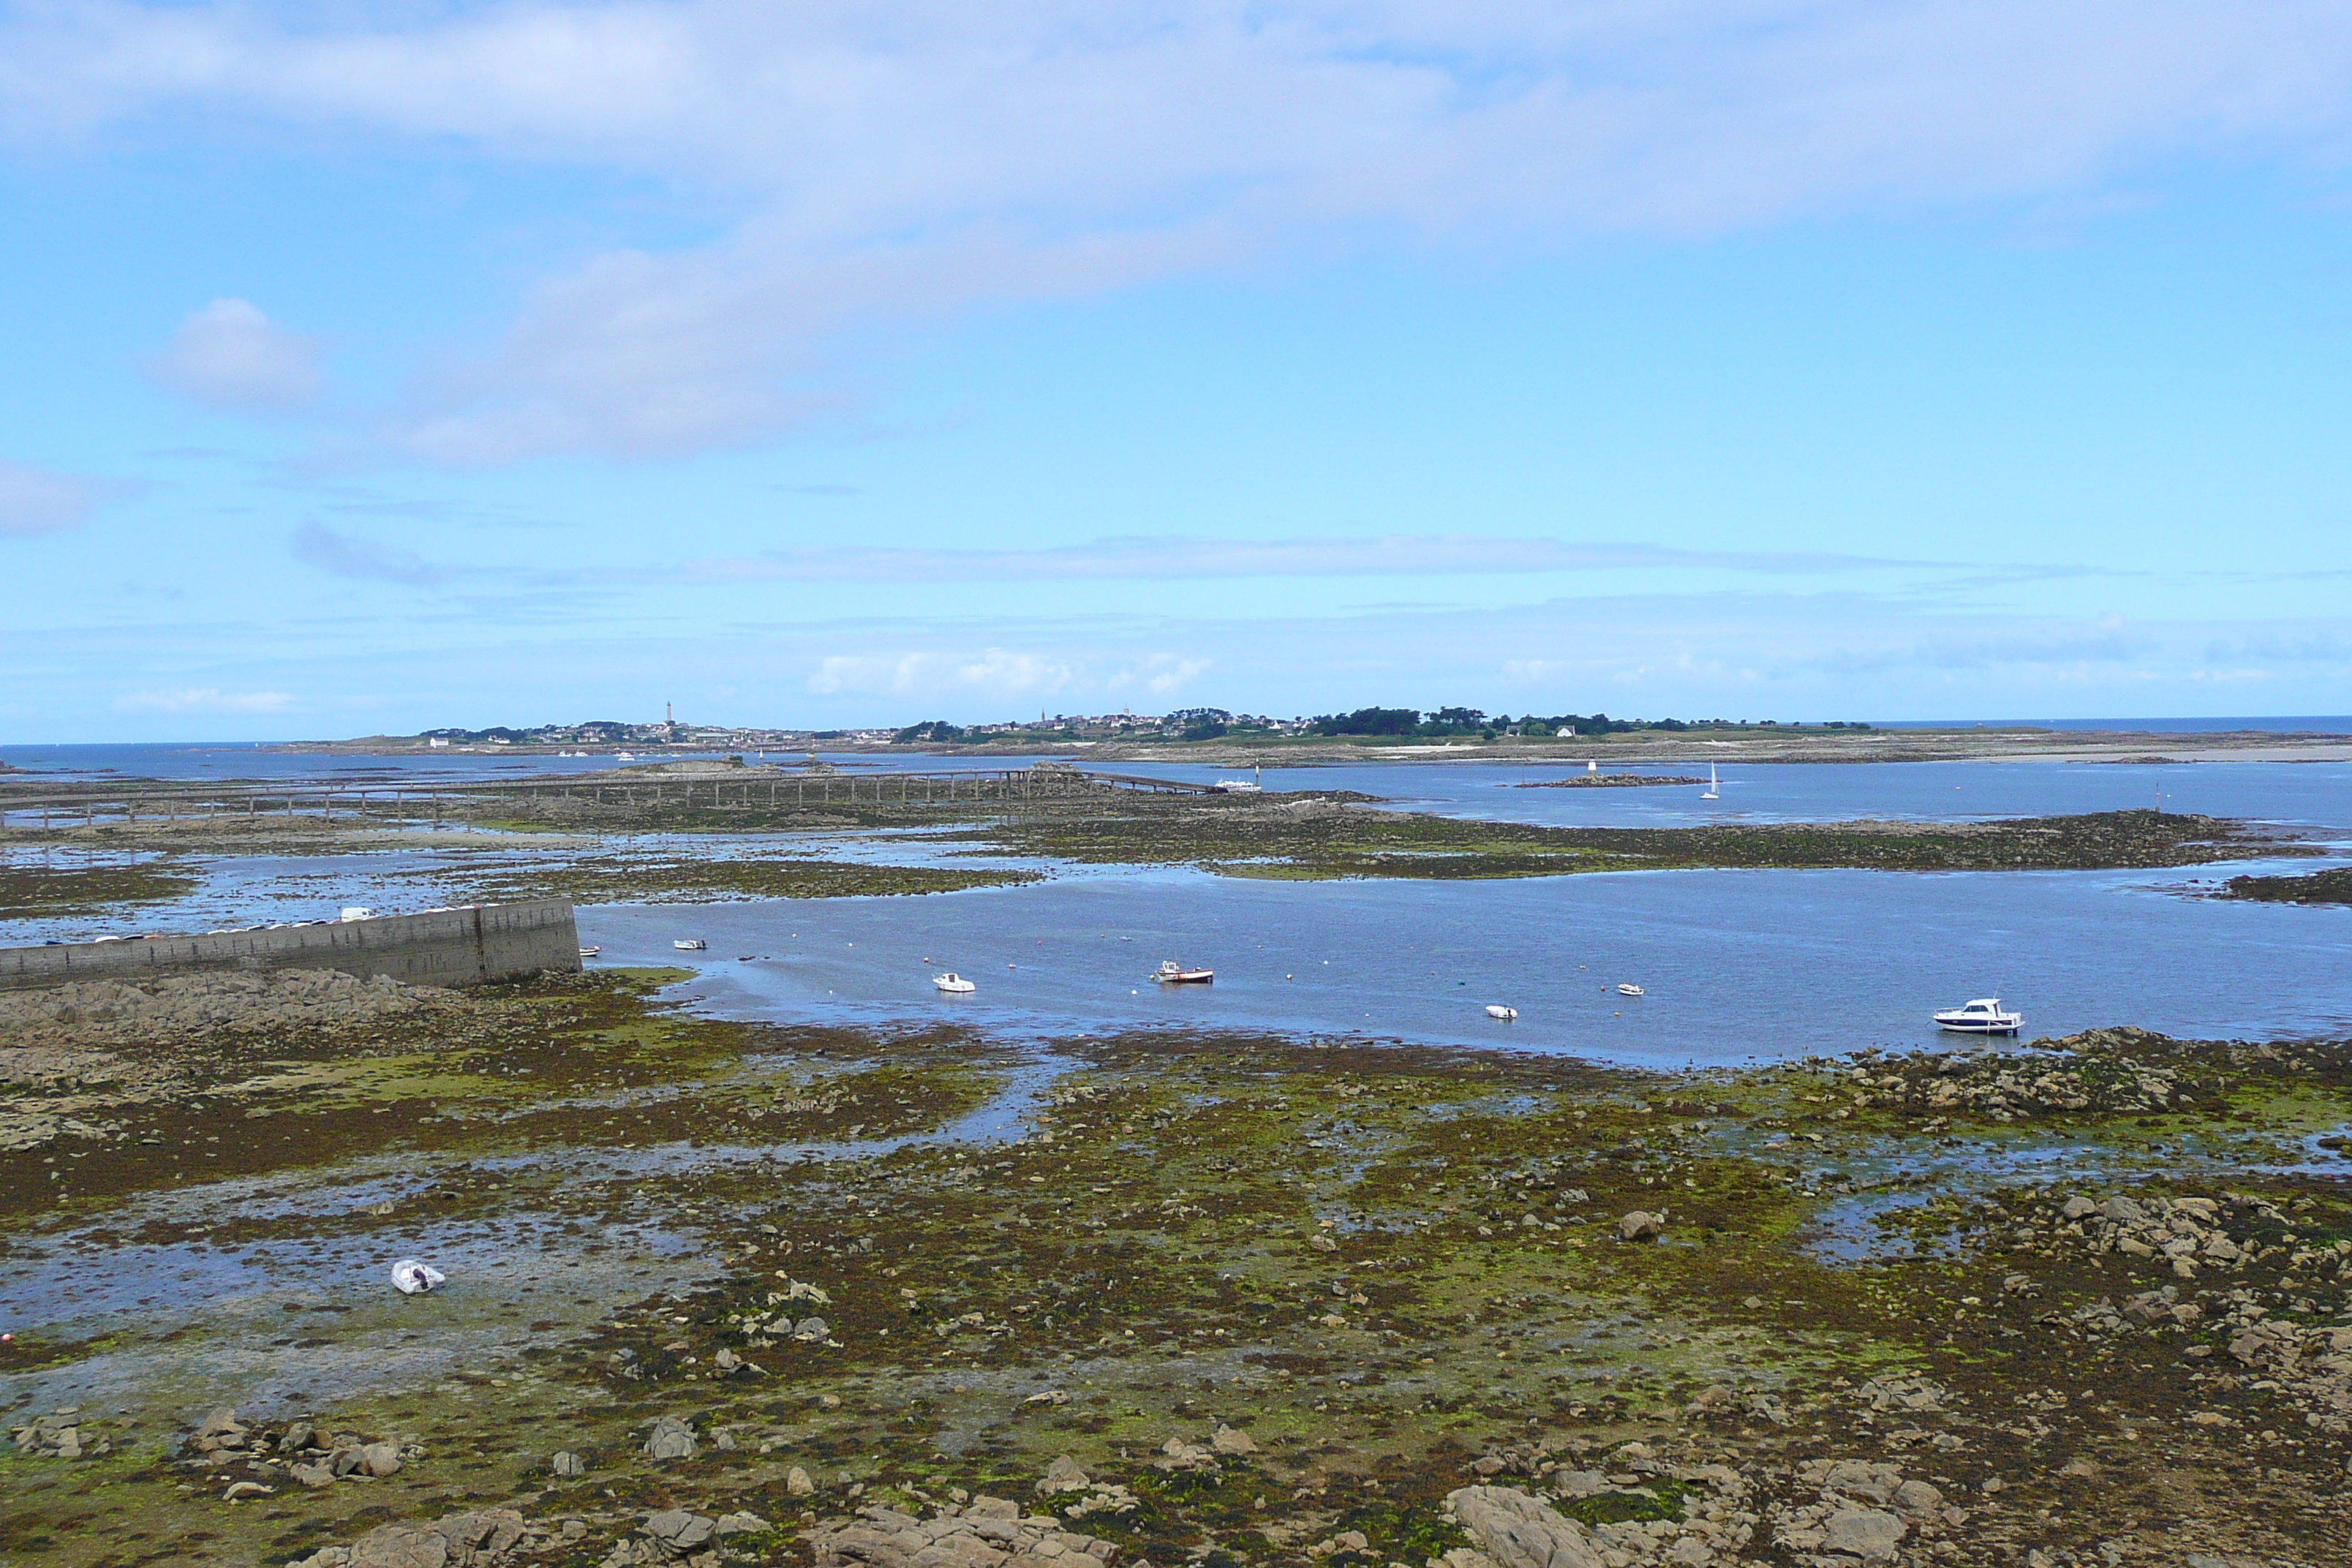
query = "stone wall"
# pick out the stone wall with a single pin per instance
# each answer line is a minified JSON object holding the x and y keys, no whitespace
{"x":441,"y":947}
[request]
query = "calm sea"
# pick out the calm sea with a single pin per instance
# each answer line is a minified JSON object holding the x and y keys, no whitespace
{"x":1733,"y":964}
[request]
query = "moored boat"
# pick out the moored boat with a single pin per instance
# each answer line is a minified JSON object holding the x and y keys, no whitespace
{"x":954,"y":984}
{"x":1984,"y":1016}
{"x":1626,"y":988}
{"x":590,"y":952}
{"x":1497,"y":1010}
{"x":689,"y":945}
{"x":1170,"y":972}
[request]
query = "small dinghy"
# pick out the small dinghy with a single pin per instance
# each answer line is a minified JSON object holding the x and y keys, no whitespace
{"x":1497,"y":1010}
{"x":1981,"y":1017}
{"x":590,"y":952}
{"x":1173,"y":973}
{"x":412,"y":1277}
{"x":954,"y":984}
{"x":689,"y":945}
{"x":1628,"y":989}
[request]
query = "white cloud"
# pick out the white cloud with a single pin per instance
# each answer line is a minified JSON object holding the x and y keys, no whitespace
{"x":364,"y":560}
{"x":990,"y":672}
{"x":1414,"y":556}
{"x":204,"y":700}
{"x":34,"y":500}
{"x":890,"y":163}
{"x":230,"y":356}
{"x":997,"y":674}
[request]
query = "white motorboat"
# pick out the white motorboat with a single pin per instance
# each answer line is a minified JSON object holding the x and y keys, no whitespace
{"x":1497,"y":1010}
{"x":954,"y":984}
{"x":590,"y":952}
{"x":689,"y":945}
{"x":1237,"y":787}
{"x":1982,"y":1017}
{"x":1629,"y":990}
{"x":1714,"y":791}
{"x":1173,"y":973}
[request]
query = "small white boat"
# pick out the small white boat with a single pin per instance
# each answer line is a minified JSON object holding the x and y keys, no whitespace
{"x":1981,"y":1017}
{"x":590,"y":952}
{"x":954,"y":984}
{"x":689,"y":945}
{"x":1497,"y":1010}
{"x":1714,"y":791}
{"x":1173,"y":973}
{"x":1237,"y":787}
{"x":1624,"y":989}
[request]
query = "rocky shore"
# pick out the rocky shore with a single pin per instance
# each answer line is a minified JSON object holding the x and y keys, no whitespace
{"x":724,"y":1293}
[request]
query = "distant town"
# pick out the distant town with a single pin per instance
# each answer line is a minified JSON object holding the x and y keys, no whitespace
{"x":1388,"y":725}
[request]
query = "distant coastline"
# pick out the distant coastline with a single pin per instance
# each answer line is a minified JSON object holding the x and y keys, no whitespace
{"x":1653,"y":749}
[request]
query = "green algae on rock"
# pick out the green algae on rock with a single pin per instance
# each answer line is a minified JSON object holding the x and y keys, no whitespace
{"x":2330,"y":886}
{"x":1229,"y":1299}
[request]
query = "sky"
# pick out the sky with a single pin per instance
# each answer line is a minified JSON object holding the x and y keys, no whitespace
{"x":372,"y":365}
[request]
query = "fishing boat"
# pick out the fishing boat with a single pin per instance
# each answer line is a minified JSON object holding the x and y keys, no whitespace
{"x":1497,"y":1010}
{"x":1714,"y":791}
{"x":954,"y":984}
{"x":1628,"y":989}
{"x":1173,"y":973}
{"x":1982,"y":1017}
{"x":689,"y":945}
{"x":590,"y":952}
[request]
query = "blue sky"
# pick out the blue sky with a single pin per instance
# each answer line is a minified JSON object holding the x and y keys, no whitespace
{"x":383,"y":366}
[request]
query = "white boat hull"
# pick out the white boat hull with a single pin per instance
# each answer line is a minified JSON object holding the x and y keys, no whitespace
{"x":1984,"y":1016}
{"x":1504,"y":1014}
{"x":690,"y":944}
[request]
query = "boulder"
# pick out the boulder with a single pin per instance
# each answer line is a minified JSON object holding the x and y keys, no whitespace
{"x":400,"y":1546}
{"x":680,"y":1531}
{"x":671,"y":1439}
{"x":1064,"y":1476}
{"x":1519,"y":1531}
{"x":1869,"y":1533}
{"x":1641,"y":1226}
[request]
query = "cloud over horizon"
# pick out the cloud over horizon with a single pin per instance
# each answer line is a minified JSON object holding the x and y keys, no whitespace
{"x":895,"y":165}
{"x":1188,"y":558}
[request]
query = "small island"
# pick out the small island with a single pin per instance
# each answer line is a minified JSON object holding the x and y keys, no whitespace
{"x":1612,"y":780}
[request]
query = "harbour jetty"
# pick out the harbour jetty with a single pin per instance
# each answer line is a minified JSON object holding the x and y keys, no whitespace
{"x":466,"y":946}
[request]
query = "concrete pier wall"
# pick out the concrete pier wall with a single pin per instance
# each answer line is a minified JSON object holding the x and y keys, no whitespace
{"x":442,"y":947}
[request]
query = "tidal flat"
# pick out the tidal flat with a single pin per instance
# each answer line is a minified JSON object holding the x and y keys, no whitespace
{"x":752,"y":1293}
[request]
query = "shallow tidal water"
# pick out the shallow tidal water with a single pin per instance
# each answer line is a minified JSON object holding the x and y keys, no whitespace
{"x":1736,"y":965}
